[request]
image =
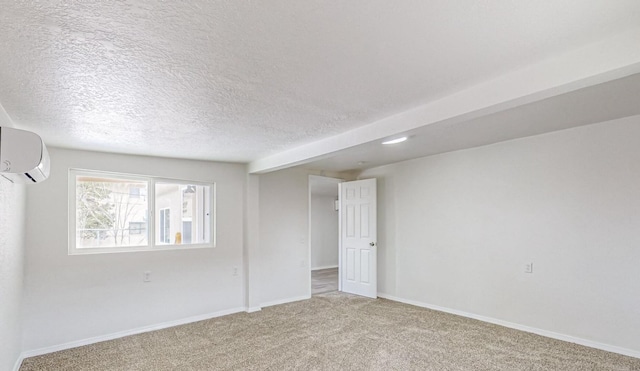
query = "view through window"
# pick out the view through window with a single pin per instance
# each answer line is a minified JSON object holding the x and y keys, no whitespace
{"x":106,"y":212}
{"x":119,"y":212}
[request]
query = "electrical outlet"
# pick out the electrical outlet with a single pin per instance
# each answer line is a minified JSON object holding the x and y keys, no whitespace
{"x":146,"y":276}
{"x":234,"y":271}
{"x":528,"y":268}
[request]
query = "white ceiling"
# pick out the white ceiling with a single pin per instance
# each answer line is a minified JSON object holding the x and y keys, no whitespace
{"x":255,"y":81}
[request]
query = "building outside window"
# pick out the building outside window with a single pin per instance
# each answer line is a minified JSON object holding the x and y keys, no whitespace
{"x":164,"y":225}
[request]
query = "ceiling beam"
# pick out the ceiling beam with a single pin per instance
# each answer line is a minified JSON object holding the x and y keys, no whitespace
{"x":597,"y":63}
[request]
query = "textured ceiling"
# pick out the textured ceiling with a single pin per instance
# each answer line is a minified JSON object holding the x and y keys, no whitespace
{"x":240,"y":80}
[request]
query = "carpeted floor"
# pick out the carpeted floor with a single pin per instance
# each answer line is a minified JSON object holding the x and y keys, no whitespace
{"x":334,"y":331}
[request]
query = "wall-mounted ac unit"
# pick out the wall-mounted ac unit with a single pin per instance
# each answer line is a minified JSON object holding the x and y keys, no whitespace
{"x":23,"y":156}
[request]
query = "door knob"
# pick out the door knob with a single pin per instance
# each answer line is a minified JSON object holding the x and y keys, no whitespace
{"x":372,"y":243}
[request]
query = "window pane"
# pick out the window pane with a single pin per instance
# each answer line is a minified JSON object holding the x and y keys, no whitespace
{"x":110,"y":212}
{"x":184,"y":215}
{"x":165,"y":225}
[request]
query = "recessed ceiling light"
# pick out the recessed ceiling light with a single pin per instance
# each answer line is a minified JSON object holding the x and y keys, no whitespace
{"x":394,"y":141}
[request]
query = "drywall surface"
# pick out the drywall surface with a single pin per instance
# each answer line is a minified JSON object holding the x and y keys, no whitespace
{"x":12,"y":206}
{"x":324,"y":231}
{"x":284,"y":236}
{"x":72,"y":298}
{"x":457,"y":230}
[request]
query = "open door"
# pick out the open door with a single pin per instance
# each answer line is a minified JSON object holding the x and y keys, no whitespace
{"x":358,"y":238}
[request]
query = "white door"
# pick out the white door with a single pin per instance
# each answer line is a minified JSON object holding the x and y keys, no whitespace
{"x":358,"y":234}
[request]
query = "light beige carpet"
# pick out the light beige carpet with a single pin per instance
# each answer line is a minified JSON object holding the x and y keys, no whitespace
{"x":334,"y":332}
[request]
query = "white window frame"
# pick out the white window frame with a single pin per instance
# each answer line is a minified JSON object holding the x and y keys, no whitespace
{"x":151,"y":222}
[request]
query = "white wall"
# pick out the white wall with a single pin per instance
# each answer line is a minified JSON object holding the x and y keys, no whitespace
{"x":12,"y":201}
{"x":71,"y":298}
{"x":284,"y":230}
{"x":12,"y":217}
{"x":458,"y":228}
{"x":324,"y":231}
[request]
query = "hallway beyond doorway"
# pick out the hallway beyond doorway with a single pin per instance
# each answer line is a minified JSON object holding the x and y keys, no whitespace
{"x":324,"y":280}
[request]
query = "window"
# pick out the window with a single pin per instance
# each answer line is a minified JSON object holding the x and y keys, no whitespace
{"x":178,"y":203}
{"x":137,"y":227}
{"x":135,"y":192}
{"x":120,"y":212}
{"x":164,"y":225}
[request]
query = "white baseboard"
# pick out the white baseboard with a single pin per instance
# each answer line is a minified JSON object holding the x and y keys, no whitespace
{"x":254,"y":309}
{"x":16,"y":367}
{"x":324,"y":267}
{"x":135,"y":331}
{"x":537,"y":331}
{"x":285,"y":301}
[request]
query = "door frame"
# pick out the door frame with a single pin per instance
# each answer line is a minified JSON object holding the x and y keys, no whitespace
{"x":340,"y":237}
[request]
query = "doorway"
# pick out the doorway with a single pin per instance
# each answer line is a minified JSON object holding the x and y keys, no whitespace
{"x":323,"y":233}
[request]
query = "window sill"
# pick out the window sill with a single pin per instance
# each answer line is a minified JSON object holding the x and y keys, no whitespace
{"x":111,"y":250}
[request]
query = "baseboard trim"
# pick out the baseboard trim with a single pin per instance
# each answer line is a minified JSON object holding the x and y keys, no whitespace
{"x":515,"y":326}
{"x":120,"y":334}
{"x":253,"y":309}
{"x":324,"y":267}
{"x":16,"y":366}
{"x":285,"y":301}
